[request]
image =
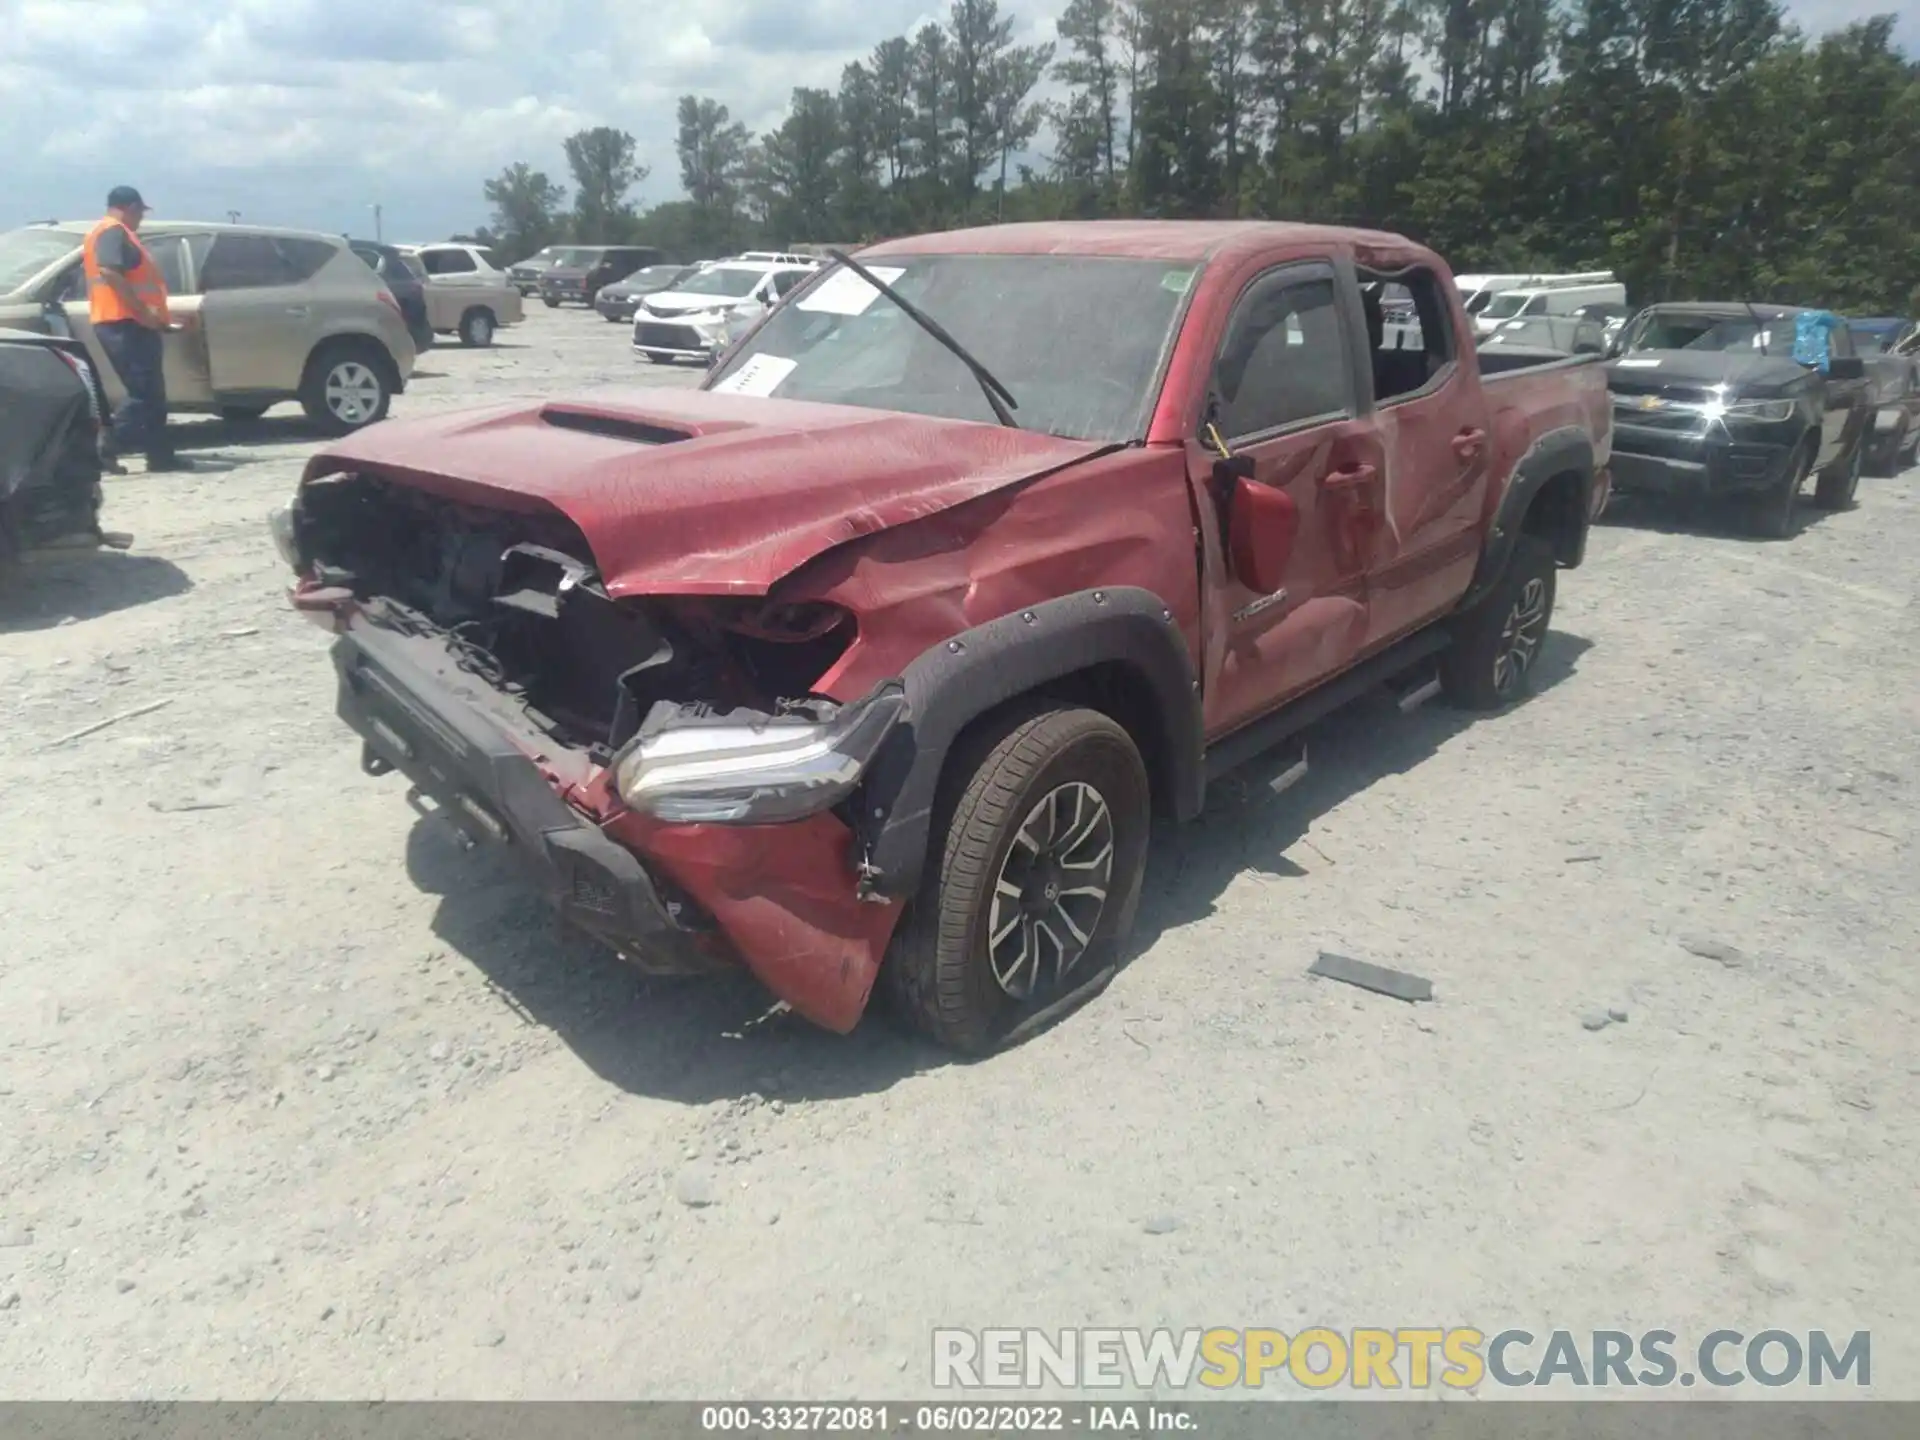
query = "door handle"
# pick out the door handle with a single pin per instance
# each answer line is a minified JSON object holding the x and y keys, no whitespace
{"x":1468,"y":443}
{"x":1353,"y":477}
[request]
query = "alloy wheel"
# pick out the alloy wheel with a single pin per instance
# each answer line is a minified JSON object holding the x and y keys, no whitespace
{"x":1520,"y":636}
{"x":353,"y":392}
{"x":1051,"y":890}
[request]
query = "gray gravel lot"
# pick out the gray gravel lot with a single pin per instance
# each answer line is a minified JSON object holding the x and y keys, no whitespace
{"x":300,"y":1100}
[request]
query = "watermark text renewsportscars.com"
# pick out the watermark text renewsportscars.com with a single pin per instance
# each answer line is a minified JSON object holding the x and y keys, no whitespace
{"x":1400,"y":1358}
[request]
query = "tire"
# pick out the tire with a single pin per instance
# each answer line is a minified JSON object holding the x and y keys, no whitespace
{"x":348,"y":385}
{"x":1839,"y":483}
{"x":1009,"y":787}
{"x":659,"y":357}
{"x":1771,"y":516}
{"x":242,"y":414}
{"x":476,"y":328}
{"x":550,"y":302}
{"x":1495,"y":642}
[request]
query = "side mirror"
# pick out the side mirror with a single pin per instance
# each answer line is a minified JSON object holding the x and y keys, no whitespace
{"x":1846,"y":367}
{"x":1259,"y":525}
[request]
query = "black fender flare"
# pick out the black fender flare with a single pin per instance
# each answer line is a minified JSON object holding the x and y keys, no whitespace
{"x":1557,"y":452}
{"x":954,"y":683}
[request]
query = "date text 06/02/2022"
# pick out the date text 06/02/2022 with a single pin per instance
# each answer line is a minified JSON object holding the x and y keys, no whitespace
{"x":945,"y":1417}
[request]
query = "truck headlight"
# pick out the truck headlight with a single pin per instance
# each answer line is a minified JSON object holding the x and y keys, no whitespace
{"x":696,"y":767}
{"x":1759,"y":409}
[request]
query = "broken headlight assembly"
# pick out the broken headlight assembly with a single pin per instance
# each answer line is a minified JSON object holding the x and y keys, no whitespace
{"x":691,"y":765}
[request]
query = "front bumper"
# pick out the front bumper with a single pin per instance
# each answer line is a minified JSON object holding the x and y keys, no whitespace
{"x":621,"y":309}
{"x":564,"y":290}
{"x":492,"y":789}
{"x":677,"y":339}
{"x":1692,"y":464}
{"x":671,"y":898}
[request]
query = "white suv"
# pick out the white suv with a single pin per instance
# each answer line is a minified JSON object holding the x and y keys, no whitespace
{"x":692,"y":322}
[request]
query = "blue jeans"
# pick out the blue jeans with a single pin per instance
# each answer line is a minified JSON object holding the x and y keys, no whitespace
{"x":141,"y":421}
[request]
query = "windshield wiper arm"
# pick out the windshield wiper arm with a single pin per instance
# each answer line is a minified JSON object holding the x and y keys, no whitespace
{"x":998,"y":396}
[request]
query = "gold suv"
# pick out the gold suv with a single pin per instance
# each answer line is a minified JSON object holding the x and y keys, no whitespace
{"x":264,"y":316}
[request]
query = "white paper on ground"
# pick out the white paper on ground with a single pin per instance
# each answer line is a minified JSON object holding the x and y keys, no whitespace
{"x":845,"y":293}
{"x":761,"y":375}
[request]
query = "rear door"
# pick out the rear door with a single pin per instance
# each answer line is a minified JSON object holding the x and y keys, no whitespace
{"x":257,"y":309}
{"x":1433,"y":424}
{"x":1283,"y":395}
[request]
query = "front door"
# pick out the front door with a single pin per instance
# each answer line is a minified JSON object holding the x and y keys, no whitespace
{"x":1283,"y":397}
{"x":183,"y":351}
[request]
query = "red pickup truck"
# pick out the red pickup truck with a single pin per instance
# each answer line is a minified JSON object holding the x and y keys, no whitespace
{"x":871,"y":659}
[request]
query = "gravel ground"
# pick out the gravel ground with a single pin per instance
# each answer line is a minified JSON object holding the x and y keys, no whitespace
{"x":300,"y":1100}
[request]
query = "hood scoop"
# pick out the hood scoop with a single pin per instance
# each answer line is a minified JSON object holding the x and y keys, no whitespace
{"x":614,"y":427}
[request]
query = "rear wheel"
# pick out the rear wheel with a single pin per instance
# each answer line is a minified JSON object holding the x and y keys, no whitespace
{"x":1840,"y":483}
{"x":1031,"y":895}
{"x":476,"y":327}
{"x":346,"y":386}
{"x":658,"y":357}
{"x":1495,"y":643}
{"x":552,"y":303}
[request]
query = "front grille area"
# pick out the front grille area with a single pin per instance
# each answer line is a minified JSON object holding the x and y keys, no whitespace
{"x":652,"y":334}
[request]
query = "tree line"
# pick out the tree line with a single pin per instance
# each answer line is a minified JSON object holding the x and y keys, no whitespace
{"x":1696,"y":147}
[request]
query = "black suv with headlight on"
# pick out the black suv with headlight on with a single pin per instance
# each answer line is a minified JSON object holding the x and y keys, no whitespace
{"x":1709,"y":402}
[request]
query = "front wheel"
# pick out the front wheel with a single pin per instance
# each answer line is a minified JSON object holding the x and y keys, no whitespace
{"x":1490,"y":663}
{"x":346,"y":388}
{"x":1771,"y":516}
{"x":1031,"y":896}
{"x":1840,"y":483}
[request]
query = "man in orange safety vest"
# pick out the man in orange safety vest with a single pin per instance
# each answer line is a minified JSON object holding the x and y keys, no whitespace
{"x":127,"y":303}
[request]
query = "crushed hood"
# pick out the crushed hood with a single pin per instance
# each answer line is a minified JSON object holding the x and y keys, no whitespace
{"x":688,"y":492}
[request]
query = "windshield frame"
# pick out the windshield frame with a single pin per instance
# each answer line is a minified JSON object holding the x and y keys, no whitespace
{"x":1153,"y":393}
{"x":71,"y":244}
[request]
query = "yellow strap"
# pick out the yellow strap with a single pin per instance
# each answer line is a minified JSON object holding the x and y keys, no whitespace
{"x":1213,"y":434}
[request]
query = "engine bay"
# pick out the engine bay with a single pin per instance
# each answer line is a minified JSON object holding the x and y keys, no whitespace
{"x":518,"y":601}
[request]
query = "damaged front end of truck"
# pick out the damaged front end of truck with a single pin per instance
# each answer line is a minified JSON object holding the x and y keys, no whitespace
{"x":664,"y":766}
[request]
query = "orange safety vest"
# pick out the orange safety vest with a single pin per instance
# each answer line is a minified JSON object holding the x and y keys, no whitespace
{"x":104,"y":305}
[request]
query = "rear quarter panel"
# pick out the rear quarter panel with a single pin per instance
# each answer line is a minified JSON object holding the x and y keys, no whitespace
{"x":346,"y":301}
{"x":1525,"y":406}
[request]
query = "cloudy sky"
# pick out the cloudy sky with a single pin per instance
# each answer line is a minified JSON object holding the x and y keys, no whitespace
{"x":308,"y":112}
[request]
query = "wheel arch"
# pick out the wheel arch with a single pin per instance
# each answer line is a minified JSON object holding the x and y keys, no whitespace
{"x":370,"y":346}
{"x":1550,"y":495}
{"x":1113,"y":650}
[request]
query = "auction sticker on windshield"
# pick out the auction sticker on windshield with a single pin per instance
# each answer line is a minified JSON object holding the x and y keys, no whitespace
{"x":845,"y":292}
{"x":760,"y":375}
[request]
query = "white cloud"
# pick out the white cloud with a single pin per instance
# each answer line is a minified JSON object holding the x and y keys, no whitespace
{"x":307,"y":112}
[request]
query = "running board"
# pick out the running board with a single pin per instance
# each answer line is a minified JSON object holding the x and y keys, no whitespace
{"x":1251,"y":741}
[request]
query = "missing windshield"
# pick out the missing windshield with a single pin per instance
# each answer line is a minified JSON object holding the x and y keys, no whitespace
{"x":1080,"y":340}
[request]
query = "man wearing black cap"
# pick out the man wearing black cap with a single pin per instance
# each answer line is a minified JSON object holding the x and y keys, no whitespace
{"x":127,"y":303}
